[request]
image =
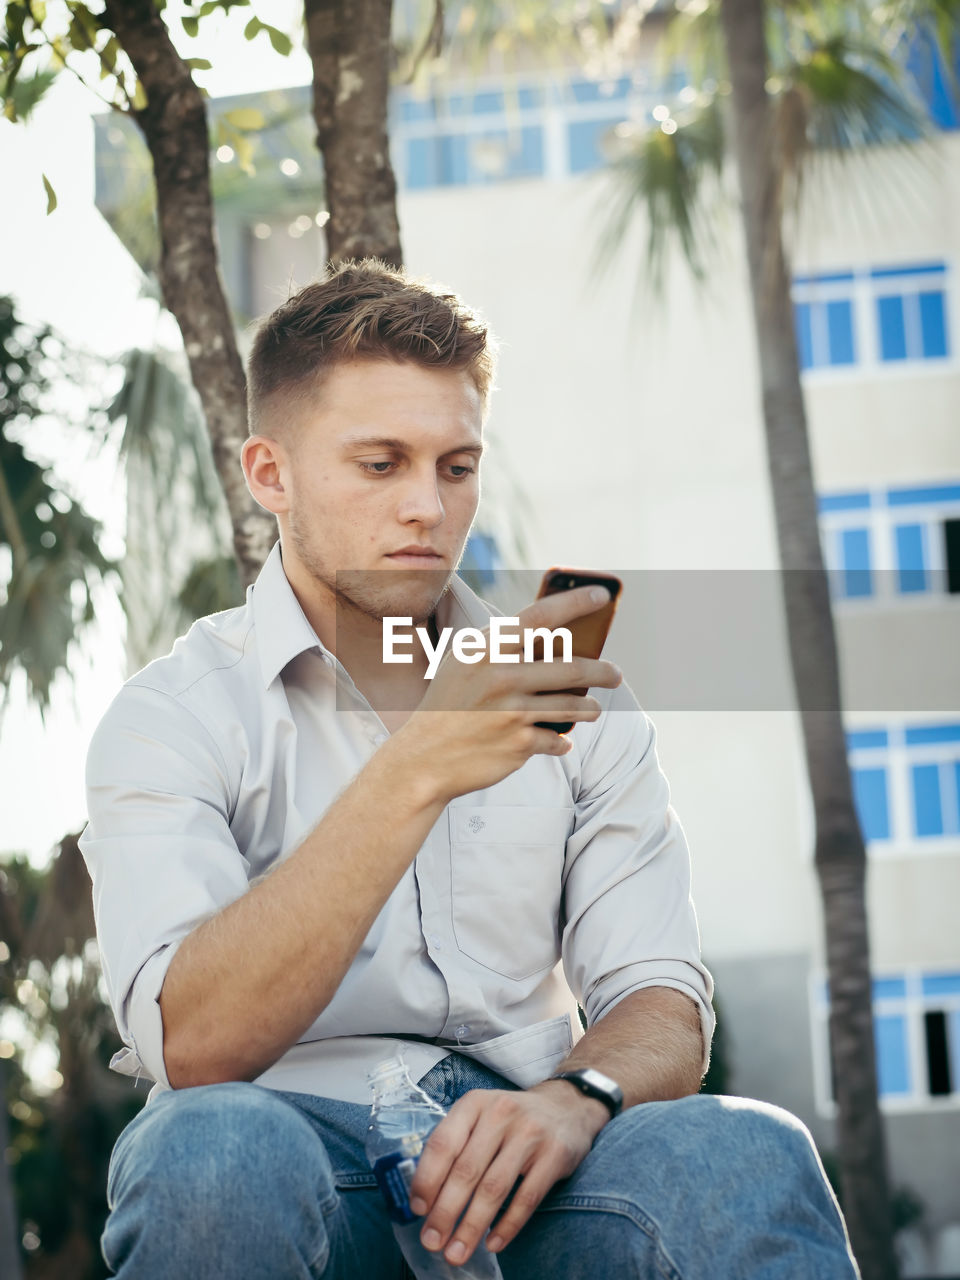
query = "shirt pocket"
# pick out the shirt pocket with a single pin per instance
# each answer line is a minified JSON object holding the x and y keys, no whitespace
{"x":506,"y":865}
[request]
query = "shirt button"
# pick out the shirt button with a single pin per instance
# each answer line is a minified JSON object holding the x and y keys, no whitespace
{"x":462,"y":1029}
{"x":379,"y":739}
{"x":436,"y":943}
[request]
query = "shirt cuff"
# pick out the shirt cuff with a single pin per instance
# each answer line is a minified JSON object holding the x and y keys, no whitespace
{"x":142,"y":1023}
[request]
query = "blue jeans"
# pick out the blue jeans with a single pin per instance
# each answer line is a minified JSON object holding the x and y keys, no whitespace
{"x":239,"y":1181}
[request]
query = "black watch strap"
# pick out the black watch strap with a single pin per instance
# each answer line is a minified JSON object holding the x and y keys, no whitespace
{"x":594,"y":1084}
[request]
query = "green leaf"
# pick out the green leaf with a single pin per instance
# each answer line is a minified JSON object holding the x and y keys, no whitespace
{"x":51,"y":194}
{"x":190,"y":25}
{"x":244,"y":152}
{"x":87,"y":22}
{"x":252,"y":28}
{"x":108,"y":57}
{"x":225,"y":5}
{"x":281,"y":42}
{"x":198,"y":64}
{"x":245,"y":118}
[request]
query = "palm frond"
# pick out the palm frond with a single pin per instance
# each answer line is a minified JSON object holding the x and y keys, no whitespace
{"x":210,"y":586}
{"x":54,"y":558}
{"x":693,"y":43}
{"x":663,"y":174}
{"x":163,"y":430}
{"x":178,"y":562}
{"x":854,"y":96}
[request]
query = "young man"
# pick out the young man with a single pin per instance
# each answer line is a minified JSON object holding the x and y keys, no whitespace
{"x":305,"y":859}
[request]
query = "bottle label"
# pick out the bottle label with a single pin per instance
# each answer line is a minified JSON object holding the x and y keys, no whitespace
{"x":394,"y":1174}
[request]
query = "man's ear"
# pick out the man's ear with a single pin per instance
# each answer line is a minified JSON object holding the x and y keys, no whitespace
{"x":264,"y":463}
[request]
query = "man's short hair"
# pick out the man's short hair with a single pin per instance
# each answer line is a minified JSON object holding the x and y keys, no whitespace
{"x":362,"y":309}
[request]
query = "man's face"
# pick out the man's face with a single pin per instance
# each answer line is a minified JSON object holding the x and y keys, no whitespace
{"x":383,"y":458}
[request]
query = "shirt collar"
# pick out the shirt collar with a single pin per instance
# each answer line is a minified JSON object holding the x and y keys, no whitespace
{"x":283,"y":631}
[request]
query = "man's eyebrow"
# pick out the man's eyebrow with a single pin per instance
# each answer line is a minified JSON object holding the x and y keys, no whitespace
{"x":390,"y":442}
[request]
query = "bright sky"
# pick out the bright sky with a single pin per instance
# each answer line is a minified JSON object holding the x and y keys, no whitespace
{"x":68,"y":270}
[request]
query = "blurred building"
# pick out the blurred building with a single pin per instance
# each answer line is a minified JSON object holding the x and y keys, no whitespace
{"x":629,"y":426}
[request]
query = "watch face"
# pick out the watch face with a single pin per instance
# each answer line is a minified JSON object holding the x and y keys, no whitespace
{"x":598,"y":1080}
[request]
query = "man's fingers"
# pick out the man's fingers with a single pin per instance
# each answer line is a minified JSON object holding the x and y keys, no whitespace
{"x":578,"y":673}
{"x":479,"y":1178}
{"x":527,"y":1197}
{"x":491,"y":1191}
{"x":442,"y":1148}
{"x":553,"y":611}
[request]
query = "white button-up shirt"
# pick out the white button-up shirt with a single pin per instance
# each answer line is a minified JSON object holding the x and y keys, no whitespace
{"x":568,"y":882}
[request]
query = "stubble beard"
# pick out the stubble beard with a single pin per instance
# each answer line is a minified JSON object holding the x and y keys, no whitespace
{"x":370,"y":592}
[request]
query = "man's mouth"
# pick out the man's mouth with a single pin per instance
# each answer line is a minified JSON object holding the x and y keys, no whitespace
{"x":416,"y":555}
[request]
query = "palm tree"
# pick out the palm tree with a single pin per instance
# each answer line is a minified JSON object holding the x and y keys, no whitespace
{"x":785,"y":79}
{"x":53,"y":556}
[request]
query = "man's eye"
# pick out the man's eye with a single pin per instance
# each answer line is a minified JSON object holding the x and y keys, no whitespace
{"x":376,"y":468}
{"x":461,"y":472}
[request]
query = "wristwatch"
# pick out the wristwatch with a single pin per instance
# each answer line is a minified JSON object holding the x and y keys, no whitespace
{"x":594,"y":1084}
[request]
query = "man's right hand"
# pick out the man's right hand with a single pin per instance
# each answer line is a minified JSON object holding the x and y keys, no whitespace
{"x":476,"y":723}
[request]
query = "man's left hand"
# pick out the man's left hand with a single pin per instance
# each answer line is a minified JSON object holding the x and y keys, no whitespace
{"x":489,"y":1138}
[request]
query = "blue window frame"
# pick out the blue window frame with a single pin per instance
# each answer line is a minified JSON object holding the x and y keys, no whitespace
{"x":893,"y":331}
{"x":870,"y":797}
{"x":843,"y":502}
{"x":911,"y":558}
{"x":933,"y":324}
{"x":927,"y":807}
{"x":455,"y":159}
{"x":840,"y":332}
{"x":911,"y":312}
{"x":585,"y":142}
{"x":916,"y":1024}
{"x":825,"y":333}
{"x":855,"y":562}
{"x":803,"y":323}
{"x":481,"y":558}
{"x":893,"y":1055}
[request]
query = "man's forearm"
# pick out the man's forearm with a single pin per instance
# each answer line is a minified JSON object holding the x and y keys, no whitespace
{"x":247,"y":983}
{"x":650,"y":1043}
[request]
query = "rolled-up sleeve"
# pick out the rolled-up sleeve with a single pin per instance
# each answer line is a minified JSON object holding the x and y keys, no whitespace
{"x":628,"y":917}
{"x":160,"y":853}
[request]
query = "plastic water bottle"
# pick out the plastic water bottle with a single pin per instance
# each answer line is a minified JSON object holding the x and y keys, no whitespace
{"x":401,"y":1119}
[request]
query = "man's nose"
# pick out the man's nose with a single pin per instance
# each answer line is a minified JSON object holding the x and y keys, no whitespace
{"x":420,"y":501}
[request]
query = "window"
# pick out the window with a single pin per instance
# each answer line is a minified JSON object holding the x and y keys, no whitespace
{"x":926,"y":533}
{"x":823,"y":314}
{"x":935,"y":784}
{"x":893,"y":542}
{"x":481,"y":560}
{"x":872,"y":317}
{"x":585,"y":142}
{"x":537,"y":127}
{"x":456,"y":159}
{"x":916,"y":1023}
{"x":911,"y":312}
{"x":906,"y":785}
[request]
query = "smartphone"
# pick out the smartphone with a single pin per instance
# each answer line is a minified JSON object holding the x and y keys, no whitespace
{"x":588,"y":632}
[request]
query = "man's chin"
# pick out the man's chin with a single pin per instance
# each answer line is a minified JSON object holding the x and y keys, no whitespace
{"x":394,"y":593}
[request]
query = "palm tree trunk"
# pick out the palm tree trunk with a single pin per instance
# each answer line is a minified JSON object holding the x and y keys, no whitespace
{"x":840,"y":853}
{"x":174,"y":124}
{"x":9,"y":1237}
{"x":349,"y":44}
